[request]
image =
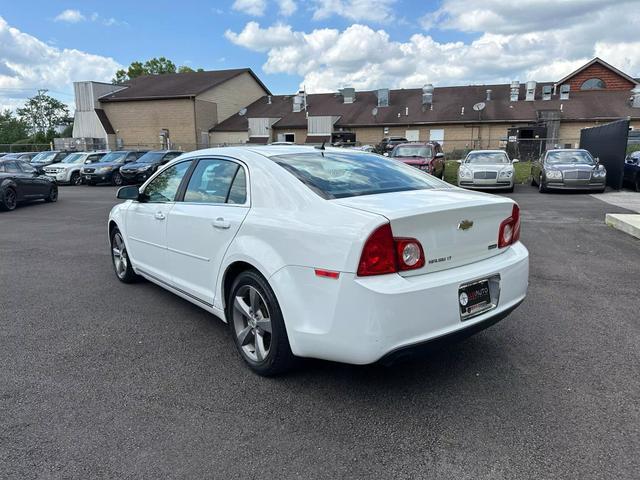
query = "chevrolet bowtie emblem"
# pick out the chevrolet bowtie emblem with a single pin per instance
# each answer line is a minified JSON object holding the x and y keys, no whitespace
{"x":465,"y":224}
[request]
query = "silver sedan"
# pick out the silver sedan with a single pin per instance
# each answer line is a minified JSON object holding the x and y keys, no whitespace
{"x":487,"y":169}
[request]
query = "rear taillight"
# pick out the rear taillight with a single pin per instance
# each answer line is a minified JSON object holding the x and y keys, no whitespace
{"x":509,"y":232}
{"x":384,"y":254}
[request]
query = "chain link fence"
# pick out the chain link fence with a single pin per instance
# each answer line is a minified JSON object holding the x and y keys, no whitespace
{"x":24,"y":147}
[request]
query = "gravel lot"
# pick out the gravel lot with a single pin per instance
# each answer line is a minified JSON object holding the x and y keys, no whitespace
{"x":99,"y":379}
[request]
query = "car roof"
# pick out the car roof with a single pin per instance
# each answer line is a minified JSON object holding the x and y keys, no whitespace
{"x":488,"y":151}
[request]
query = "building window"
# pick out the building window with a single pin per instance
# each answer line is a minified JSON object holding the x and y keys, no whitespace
{"x":593,"y":84}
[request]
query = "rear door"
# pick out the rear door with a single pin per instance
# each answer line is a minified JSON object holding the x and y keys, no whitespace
{"x":146,"y":222}
{"x":201,"y":227}
{"x":26,"y":188}
{"x":35,"y":183}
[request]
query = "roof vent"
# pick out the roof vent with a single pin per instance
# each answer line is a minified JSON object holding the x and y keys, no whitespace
{"x":635,"y":98}
{"x":383,"y":97}
{"x":489,"y":94}
{"x":564,"y":91}
{"x":515,"y":90}
{"x":546,"y":92}
{"x":299,"y":101}
{"x":531,"y":91}
{"x":269,"y":99}
{"x":427,"y":94}
{"x":348,"y":95}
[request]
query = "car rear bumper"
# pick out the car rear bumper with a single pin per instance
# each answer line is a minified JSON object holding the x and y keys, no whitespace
{"x":137,"y":177}
{"x":362,"y":320}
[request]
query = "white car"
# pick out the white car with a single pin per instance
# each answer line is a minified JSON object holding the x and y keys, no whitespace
{"x":68,"y":170}
{"x":487,"y":169}
{"x":325,"y":253}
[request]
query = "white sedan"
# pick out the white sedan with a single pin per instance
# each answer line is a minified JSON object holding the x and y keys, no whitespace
{"x":333,"y":254}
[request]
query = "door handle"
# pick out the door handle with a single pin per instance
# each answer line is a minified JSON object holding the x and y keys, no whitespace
{"x":221,"y":223}
{"x":159,"y":216}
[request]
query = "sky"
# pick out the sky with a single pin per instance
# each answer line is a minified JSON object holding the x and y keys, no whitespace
{"x":321,"y":45}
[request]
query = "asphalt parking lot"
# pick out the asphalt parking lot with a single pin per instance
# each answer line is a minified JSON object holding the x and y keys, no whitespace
{"x":101,"y":379}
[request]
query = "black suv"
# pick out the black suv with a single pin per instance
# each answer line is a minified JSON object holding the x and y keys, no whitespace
{"x":389,"y":143}
{"x":107,"y":170}
{"x":146,"y":165}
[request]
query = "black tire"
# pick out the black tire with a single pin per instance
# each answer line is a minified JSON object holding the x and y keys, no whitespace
{"x":117,"y":180}
{"x":278,"y":358}
{"x":541,"y":187}
{"x":124,"y":271}
{"x":533,"y":181}
{"x":637,"y":183}
{"x":75,"y":179}
{"x":8,"y":199}
{"x":53,"y":194}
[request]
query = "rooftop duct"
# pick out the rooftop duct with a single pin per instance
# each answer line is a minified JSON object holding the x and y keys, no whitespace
{"x":531,"y":91}
{"x":427,"y":94}
{"x":515,"y":91}
{"x":635,"y":97}
{"x":348,"y":95}
{"x":383,"y":97}
{"x":489,"y":94}
{"x":299,"y":101}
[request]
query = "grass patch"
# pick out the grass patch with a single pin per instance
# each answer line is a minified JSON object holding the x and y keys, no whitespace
{"x":523,"y":171}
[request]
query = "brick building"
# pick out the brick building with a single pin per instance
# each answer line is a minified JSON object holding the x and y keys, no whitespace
{"x":553,"y":112}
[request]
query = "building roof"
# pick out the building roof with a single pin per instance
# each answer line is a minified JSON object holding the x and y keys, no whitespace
{"x":175,"y":85}
{"x":450,"y":105}
{"x":604,"y":64}
{"x":104,"y":121}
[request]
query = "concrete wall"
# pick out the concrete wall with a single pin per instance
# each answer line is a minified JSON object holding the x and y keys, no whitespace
{"x":233,"y":95}
{"x":140,"y":122}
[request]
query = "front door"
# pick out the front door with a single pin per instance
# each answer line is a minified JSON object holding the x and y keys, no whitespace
{"x":35,"y":184}
{"x":146,"y":222}
{"x":201,"y":227}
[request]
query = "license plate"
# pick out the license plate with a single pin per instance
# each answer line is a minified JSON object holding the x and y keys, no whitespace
{"x":88,"y":176}
{"x":474,"y":298}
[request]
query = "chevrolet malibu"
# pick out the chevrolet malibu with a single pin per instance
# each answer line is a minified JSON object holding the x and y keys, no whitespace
{"x":325,"y":253}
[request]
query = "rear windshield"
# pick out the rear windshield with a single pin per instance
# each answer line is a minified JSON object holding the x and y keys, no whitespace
{"x":569,"y":156}
{"x":113,"y":157}
{"x":411,"y":151}
{"x":340,"y":175}
{"x":487,"y":157}
{"x":151,"y":157}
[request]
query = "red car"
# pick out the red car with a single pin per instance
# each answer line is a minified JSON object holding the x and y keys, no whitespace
{"x":425,"y":156}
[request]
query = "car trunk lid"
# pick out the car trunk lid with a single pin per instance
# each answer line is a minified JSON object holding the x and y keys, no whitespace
{"x":455,"y":227}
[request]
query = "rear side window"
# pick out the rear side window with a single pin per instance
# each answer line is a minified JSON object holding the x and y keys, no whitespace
{"x":12,"y":167}
{"x":214,"y":181}
{"x":26,"y":168}
{"x":339,"y":175}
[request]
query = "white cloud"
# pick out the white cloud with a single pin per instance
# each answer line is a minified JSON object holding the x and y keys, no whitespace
{"x":27,"y":64}
{"x":254,"y":8}
{"x":70,"y":16}
{"x":514,"y":41}
{"x":287,"y":7}
{"x":358,"y":10}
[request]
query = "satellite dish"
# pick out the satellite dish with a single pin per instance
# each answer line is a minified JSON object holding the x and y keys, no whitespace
{"x":242,"y":112}
{"x":478,"y":107}
{"x":374,"y":111}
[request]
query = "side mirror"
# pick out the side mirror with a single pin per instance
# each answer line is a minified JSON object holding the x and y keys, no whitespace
{"x":515,"y":160}
{"x":459,"y":161}
{"x":128,"y":193}
{"x":439,"y":155}
{"x":386,"y":154}
{"x":597,"y":159}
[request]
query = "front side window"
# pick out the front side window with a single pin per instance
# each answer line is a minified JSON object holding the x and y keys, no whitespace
{"x":212,"y":181}
{"x":164,"y":187}
{"x":485,"y":158}
{"x":73,"y":158}
{"x":341,"y":175}
{"x":593,"y":84}
{"x":569,"y":156}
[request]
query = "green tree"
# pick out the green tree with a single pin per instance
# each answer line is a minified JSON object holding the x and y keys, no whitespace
{"x":154,"y":66}
{"x":42,"y":114}
{"x":12,"y":128}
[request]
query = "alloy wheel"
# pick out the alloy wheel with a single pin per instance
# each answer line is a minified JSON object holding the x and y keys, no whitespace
{"x":76,"y":179}
{"x":117,"y":179}
{"x":120,"y":257}
{"x":53,"y":196}
{"x":10,"y":199}
{"x":252,"y":323}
